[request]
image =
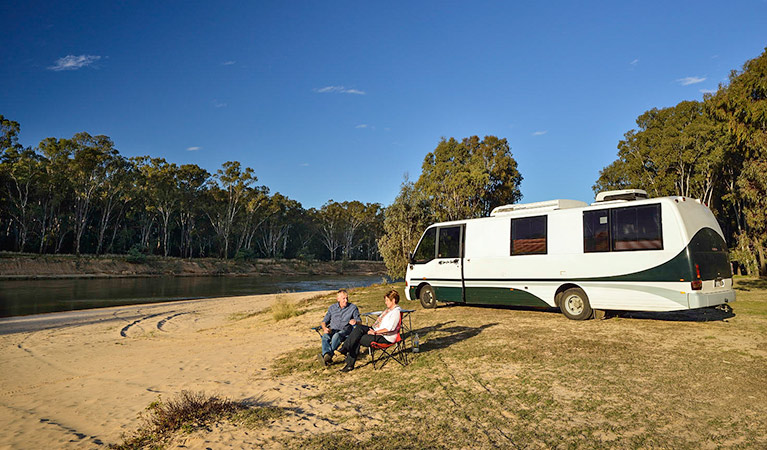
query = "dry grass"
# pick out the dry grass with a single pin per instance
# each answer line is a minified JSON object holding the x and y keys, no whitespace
{"x":190,"y":411}
{"x":521,"y":377}
{"x":283,"y":309}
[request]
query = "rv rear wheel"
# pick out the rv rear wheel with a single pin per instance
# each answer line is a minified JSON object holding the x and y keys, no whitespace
{"x":427,"y":297}
{"x":575,"y":304}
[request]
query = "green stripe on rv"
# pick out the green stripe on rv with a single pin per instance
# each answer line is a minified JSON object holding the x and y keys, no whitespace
{"x":486,"y":296}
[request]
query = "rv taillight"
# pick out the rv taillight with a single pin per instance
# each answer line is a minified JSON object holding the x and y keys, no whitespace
{"x":696,"y":285}
{"x":697,"y":271}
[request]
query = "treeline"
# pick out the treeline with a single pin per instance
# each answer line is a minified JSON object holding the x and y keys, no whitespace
{"x":80,"y":195}
{"x":714,"y":150}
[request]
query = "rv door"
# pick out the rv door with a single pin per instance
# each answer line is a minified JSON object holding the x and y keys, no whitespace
{"x":448,"y":266}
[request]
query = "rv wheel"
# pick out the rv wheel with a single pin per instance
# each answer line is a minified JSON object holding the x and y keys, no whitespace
{"x":428,"y":300}
{"x":575,"y":305}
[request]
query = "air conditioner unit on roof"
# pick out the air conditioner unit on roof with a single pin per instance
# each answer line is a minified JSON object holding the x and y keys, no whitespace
{"x":546,"y":205}
{"x":622,"y":194}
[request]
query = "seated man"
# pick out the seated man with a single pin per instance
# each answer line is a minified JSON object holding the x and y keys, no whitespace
{"x":337,"y":324}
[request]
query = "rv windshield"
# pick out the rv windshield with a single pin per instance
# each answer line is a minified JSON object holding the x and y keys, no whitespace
{"x":425,"y":251}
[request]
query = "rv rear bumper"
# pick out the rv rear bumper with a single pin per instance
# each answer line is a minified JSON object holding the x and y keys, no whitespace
{"x":703,"y":300}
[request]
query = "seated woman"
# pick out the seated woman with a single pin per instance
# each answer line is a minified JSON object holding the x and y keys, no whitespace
{"x":383,"y":330}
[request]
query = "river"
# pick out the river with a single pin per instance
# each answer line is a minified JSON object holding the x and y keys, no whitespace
{"x":24,"y":297}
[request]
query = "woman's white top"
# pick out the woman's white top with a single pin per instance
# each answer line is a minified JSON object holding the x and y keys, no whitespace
{"x":390,"y":322}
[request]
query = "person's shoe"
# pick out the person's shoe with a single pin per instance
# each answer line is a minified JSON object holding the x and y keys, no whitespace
{"x":322,"y":359}
{"x":328,"y":358}
{"x":342,"y":350}
{"x":347,"y":369}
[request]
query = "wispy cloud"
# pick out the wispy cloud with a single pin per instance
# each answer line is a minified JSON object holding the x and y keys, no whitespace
{"x":540,"y":133}
{"x":304,"y":164}
{"x":72,"y":62}
{"x":193,"y":149}
{"x":228,"y":63}
{"x":708,"y":91}
{"x":634,"y":62}
{"x":218,"y":104}
{"x":362,"y":125}
{"x":686,"y":81}
{"x":338,"y":90}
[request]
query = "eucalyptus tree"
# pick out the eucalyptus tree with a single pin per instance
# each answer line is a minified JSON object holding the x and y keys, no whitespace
{"x":256,"y":204}
{"x":278,"y":220}
{"x":469,"y":178}
{"x":330,"y":223}
{"x":191,"y":182}
{"x":675,"y":151}
{"x":404,"y":222}
{"x":112,"y":196}
{"x":232,"y":183}
{"x":742,"y":108}
{"x":22,"y":169}
{"x":162,"y":193}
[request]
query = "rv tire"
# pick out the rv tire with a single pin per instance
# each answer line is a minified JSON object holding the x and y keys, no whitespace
{"x":574,"y":304}
{"x":427,"y":297}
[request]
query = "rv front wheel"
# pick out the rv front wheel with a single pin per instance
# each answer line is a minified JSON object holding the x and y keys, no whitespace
{"x":428,"y":300}
{"x":575,"y":305}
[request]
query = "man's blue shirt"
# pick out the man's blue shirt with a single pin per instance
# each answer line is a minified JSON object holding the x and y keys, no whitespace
{"x":337,"y":318}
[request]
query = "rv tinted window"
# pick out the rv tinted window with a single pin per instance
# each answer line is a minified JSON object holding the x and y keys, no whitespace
{"x":528,"y":235}
{"x":596,"y":231}
{"x":449,"y":242}
{"x":425,"y":251}
{"x":636,"y":228}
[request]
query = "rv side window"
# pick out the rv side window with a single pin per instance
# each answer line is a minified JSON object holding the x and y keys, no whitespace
{"x":528,"y":235}
{"x":449,"y":242}
{"x":636,"y":228}
{"x":596,"y":231}
{"x":425,"y":251}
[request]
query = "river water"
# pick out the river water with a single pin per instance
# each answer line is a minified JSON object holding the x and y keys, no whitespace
{"x":24,"y":297}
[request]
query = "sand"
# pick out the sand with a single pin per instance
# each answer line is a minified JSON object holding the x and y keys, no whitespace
{"x":80,"y":379}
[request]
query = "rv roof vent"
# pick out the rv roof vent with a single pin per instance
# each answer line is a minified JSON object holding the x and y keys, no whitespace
{"x":547,"y":205}
{"x":623,"y":194}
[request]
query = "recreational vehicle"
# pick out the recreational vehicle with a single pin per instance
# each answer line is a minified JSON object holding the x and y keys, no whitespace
{"x":623,"y":252}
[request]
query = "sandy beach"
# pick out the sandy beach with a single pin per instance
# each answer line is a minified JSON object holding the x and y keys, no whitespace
{"x":79,"y":379}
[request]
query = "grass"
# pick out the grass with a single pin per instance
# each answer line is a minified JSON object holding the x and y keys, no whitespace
{"x":283,"y":309}
{"x":505,"y":377}
{"x":520,"y":377}
{"x":190,"y":411}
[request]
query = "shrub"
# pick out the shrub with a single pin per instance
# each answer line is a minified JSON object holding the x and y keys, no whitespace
{"x":136,"y":255}
{"x":244,"y":254}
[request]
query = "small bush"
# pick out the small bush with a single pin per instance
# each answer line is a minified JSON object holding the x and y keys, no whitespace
{"x":244,"y":254}
{"x":187,"y":412}
{"x":283,"y":309}
{"x":136,"y":255}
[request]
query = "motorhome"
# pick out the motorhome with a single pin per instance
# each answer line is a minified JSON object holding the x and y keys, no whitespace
{"x":623,"y":252}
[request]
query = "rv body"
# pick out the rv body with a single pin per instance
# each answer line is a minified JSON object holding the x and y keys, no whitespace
{"x":622,"y":252}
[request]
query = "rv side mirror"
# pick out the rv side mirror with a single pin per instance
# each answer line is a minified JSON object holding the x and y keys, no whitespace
{"x":410,"y":258}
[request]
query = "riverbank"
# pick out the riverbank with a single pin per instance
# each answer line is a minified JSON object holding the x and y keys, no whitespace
{"x":30,"y":266}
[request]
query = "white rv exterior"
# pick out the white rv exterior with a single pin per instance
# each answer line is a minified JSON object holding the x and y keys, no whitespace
{"x":633,"y":253}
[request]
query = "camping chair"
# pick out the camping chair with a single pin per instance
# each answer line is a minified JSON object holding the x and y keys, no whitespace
{"x":390,"y":350}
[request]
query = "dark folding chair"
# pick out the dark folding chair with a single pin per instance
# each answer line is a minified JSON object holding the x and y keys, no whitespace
{"x":396,"y":350}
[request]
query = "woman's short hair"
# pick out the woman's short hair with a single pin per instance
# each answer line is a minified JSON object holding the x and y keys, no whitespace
{"x":393,"y":295}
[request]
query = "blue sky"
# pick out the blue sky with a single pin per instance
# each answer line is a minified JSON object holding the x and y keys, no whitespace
{"x":338,"y":100}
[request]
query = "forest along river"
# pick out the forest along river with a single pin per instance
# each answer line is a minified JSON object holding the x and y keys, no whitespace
{"x":24,"y":297}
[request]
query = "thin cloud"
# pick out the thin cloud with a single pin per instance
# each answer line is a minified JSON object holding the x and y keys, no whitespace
{"x":338,"y":90}
{"x":686,"y":81}
{"x":540,"y":133}
{"x":193,"y":149}
{"x":634,"y":62}
{"x":362,"y":125}
{"x":72,"y":62}
{"x":708,"y":91}
{"x":218,"y":104}
{"x":228,"y":63}
{"x":304,"y":164}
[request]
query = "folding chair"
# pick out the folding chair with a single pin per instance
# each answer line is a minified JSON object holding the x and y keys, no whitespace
{"x":390,"y":350}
